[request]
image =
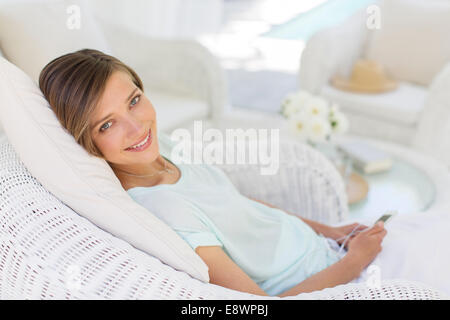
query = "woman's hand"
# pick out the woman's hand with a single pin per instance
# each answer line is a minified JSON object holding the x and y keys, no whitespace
{"x":340,"y":233}
{"x":366,"y":245}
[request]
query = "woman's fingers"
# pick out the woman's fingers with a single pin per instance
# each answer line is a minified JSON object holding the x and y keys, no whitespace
{"x":356,"y":228}
{"x":378,"y":227}
{"x":362,"y":227}
{"x":383,"y":233}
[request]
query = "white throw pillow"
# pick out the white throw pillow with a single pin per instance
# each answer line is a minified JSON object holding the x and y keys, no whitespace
{"x":413,"y":41}
{"x":83,"y":182}
{"x":33,"y":34}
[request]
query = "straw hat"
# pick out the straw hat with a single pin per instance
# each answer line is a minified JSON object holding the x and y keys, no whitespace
{"x":367,"y":76}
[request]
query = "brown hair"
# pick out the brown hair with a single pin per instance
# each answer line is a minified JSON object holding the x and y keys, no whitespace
{"x":73,"y":84}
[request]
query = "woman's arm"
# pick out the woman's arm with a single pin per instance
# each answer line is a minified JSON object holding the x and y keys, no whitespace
{"x":362,"y":250}
{"x":342,"y":272}
{"x":224,"y":272}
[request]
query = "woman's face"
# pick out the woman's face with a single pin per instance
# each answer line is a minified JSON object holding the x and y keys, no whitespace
{"x":124,"y":117}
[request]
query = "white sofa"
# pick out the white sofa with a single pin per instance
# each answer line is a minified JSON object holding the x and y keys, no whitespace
{"x":412,"y":44}
{"x":184,"y":81}
{"x":48,"y":251}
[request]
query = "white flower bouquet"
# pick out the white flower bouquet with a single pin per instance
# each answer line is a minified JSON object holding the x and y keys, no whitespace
{"x":312,"y":118}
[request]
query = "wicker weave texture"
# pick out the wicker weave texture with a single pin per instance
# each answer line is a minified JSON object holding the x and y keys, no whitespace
{"x":47,"y":251}
{"x":306,"y":183}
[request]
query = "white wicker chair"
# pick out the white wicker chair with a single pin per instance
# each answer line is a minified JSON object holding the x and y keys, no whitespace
{"x":48,"y":251}
{"x":394,"y":116}
{"x":181,"y":76}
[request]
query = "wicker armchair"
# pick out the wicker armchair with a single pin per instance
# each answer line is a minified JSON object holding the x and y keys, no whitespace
{"x":48,"y":251}
{"x":394,"y":116}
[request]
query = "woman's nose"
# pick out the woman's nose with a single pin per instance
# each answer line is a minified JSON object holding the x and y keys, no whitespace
{"x":134,"y":128}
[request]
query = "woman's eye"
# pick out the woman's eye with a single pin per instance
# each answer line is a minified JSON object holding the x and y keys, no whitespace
{"x":102,"y":128}
{"x":134,"y":99}
{"x":133,"y":103}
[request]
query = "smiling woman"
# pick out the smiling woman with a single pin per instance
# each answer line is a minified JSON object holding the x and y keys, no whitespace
{"x":248,"y":245}
{"x":100,"y":101}
{"x":73,"y":85}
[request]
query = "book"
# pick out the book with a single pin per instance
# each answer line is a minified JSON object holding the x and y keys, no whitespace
{"x":367,"y":158}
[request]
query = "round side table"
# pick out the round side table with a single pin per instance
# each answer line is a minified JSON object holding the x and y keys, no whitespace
{"x":415,"y":183}
{"x":403,"y":188}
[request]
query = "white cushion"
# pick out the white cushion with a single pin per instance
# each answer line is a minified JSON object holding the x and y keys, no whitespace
{"x":170,"y":108}
{"x":402,"y":105}
{"x":85,"y":183}
{"x":412,"y":42}
{"x":1,"y":128}
{"x":33,"y":34}
{"x":433,"y":131}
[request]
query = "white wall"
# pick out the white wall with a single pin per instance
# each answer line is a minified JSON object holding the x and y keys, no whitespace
{"x":164,"y":18}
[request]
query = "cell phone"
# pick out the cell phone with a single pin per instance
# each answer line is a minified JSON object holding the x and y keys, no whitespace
{"x":385,"y":217}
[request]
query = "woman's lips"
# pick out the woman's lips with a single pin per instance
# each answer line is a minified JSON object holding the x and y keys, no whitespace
{"x":144,"y":146}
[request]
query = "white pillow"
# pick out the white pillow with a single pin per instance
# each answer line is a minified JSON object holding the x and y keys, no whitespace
{"x":1,"y":128}
{"x":413,"y":42}
{"x":85,"y":183}
{"x":33,"y":34}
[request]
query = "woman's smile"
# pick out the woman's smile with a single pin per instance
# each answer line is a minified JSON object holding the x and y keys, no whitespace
{"x":142,"y":145}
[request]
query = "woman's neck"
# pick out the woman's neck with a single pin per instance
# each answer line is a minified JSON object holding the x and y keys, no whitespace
{"x":165,"y":172}
{"x":148,"y":176}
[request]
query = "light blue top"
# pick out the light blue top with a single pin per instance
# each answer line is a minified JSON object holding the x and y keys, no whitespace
{"x":277,"y":250}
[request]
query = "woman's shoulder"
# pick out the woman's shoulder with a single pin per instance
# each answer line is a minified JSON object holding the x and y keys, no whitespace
{"x":170,"y":206}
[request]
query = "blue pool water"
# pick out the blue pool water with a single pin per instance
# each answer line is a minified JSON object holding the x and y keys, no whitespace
{"x":329,"y":13}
